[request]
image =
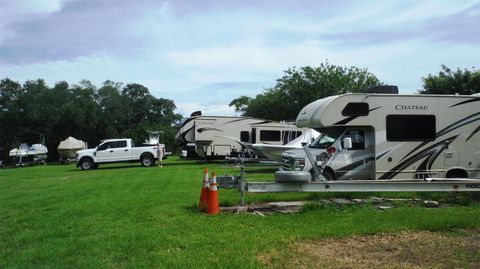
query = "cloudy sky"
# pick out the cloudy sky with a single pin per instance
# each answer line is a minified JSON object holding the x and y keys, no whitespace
{"x":203,"y":54}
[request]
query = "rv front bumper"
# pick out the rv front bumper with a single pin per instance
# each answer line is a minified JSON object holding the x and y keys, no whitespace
{"x":292,"y":177}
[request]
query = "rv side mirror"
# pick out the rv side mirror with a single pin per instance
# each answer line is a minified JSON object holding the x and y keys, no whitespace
{"x":347,"y":143}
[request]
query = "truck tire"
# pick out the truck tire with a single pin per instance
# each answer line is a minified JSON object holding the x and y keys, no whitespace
{"x":86,"y":163}
{"x":147,"y":160}
{"x":329,"y":175}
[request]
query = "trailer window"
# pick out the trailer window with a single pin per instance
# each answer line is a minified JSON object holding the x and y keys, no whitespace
{"x":244,"y":136}
{"x":269,"y":135}
{"x":355,"y":109}
{"x":288,"y":136}
{"x":411,"y":127}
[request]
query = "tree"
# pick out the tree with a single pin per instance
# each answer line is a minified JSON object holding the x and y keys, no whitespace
{"x":82,"y":111}
{"x":464,"y":82}
{"x":241,"y":103}
{"x":112,"y":108}
{"x":299,"y":87}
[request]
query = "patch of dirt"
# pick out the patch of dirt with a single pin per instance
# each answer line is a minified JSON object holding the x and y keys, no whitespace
{"x":403,"y":250}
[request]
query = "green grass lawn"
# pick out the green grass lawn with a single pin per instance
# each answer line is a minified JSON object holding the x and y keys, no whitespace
{"x":121,"y":216}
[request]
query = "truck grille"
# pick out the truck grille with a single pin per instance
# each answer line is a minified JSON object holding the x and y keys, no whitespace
{"x":285,"y":162}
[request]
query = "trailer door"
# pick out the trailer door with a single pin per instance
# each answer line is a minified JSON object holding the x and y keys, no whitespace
{"x":357,"y":162}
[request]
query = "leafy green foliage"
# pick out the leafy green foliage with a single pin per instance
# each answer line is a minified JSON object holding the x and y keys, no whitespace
{"x":299,"y":87}
{"x":82,"y":111}
{"x":463,"y":82}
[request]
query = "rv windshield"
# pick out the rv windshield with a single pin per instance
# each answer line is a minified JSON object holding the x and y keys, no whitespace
{"x":327,"y":137}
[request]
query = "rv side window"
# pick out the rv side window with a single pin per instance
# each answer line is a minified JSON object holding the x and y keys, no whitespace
{"x":358,"y":139}
{"x":244,"y":136}
{"x":411,"y":127}
{"x":355,"y":109}
{"x":269,"y":135}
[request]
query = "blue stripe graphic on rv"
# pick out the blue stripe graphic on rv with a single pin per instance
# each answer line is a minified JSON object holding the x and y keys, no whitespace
{"x":451,"y":127}
{"x":431,"y":153}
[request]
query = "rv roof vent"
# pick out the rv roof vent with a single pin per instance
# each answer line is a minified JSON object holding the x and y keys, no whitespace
{"x":196,"y":113}
{"x":382,"y":89}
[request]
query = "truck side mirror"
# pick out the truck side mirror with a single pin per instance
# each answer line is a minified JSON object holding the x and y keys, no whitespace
{"x":347,"y":143}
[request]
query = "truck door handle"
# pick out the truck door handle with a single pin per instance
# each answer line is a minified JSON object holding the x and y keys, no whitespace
{"x":126,"y":150}
{"x":111,"y":150}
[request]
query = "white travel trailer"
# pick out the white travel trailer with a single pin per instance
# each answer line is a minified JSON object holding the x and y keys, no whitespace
{"x":220,"y":136}
{"x":274,"y":152}
{"x":388,"y":136}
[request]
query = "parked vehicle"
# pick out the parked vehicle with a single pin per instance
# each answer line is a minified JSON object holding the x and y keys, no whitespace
{"x":274,"y":152}
{"x":377,"y":135}
{"x":114,"y":151}
{"x":36,"y":152}
{"x":67,"y":149}
{"x":220,"y":136}
{"x":2,"y":165}
{"x":154,"y":139}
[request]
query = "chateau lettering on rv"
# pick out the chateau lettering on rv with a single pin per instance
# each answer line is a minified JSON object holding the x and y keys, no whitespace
{"x":411,"y":107}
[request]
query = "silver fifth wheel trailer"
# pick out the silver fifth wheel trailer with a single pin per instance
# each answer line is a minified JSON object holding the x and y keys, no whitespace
{"x":382,"y":136}
{"x":220,"y":136}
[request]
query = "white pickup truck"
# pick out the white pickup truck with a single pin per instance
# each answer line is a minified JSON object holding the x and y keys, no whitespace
{"x":116,"y":150}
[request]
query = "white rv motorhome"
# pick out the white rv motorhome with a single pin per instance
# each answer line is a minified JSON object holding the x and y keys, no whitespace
{"x":220,"y":136}
{"x":389,"y":136}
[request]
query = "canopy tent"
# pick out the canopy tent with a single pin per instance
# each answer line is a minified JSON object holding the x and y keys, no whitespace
{"x":71,"y":143}
{"x":69,"y":147}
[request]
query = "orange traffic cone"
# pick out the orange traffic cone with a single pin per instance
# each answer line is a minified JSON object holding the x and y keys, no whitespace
{"x":202,"y":204}
{"x":212,"y":197}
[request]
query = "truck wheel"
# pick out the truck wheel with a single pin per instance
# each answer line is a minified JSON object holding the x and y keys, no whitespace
{"x":147,"y":160}
{"x":86,"y":164}
{"x":328,"y":175}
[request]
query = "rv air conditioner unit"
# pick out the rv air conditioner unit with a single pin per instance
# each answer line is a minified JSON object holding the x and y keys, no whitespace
{"x":392,"y":89}
{"x":196,"y":113}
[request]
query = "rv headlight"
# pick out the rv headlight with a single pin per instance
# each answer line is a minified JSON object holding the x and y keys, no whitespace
{"x":297,"y":164}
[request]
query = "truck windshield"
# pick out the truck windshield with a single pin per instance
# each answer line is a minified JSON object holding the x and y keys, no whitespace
{"x":327,"y":137}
